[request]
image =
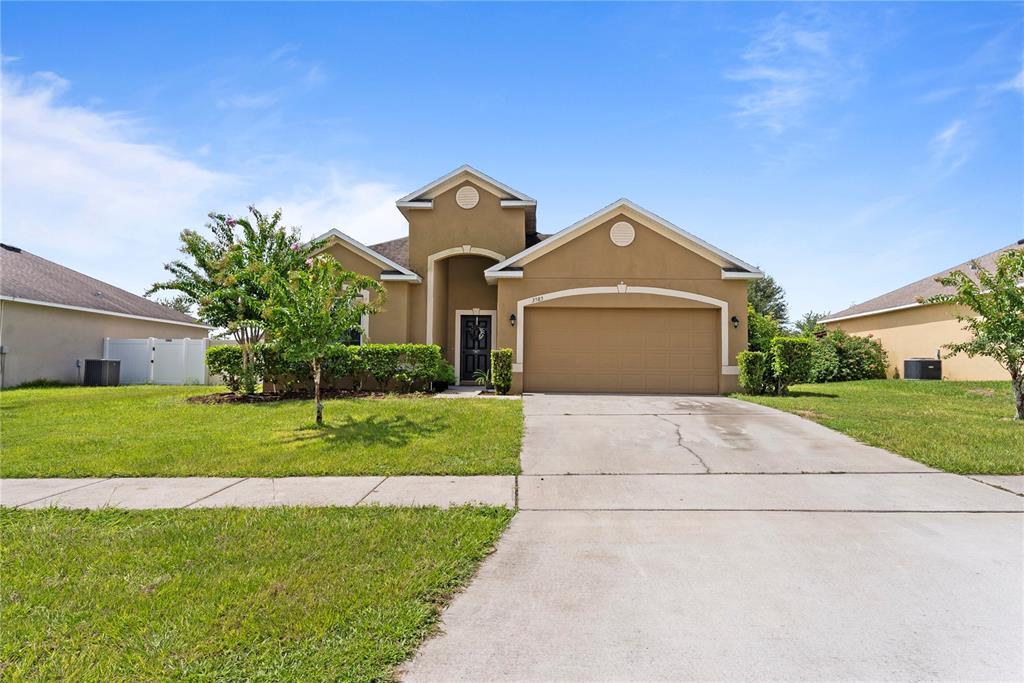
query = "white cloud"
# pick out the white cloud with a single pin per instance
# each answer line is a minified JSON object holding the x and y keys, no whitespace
{"x":950,"y":148}
{"x":788,"y":67}
{"x":246,"y":102}
{"x":1016,"y":83}
{"x":81,"y":188}
{"x":363,"y":210}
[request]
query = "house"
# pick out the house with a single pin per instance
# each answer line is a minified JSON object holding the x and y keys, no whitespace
{"x":620,"y":301}
{"x":52,"y":318}
{"x":908,"y":328}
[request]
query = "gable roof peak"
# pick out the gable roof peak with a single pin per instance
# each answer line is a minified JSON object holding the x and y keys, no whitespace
{"x":435,"y":187}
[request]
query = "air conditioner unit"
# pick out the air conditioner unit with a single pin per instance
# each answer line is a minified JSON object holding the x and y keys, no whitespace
{"x":102,"y":372}
{"x":922,"y":368}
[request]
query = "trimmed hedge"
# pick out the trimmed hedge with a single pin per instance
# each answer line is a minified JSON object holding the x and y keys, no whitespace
{"x":791,"y":361}
{"x":755,"y":375}
{"x":501,"y":370}
{"x":403,"y":367}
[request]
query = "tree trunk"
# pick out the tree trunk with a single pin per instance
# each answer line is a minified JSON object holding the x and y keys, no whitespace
{"x":316,"y":393}
{"x":1017,"y":382}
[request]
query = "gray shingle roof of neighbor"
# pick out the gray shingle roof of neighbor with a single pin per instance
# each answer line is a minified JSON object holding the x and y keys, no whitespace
{"x":923,"y":288}
{"x":23,"y":275}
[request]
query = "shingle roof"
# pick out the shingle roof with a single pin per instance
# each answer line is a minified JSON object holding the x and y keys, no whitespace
{"x":923,"y":288}
{"x":397,"y":250}
{"x":24,"y":275}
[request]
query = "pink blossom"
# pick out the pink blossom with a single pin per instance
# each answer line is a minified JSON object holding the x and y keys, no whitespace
{"x":309,"y":262}
{"x":295,"y":246}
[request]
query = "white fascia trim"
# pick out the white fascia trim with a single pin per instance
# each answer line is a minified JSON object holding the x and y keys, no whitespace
{"x":517,"y":203}
{"x":401,"y":277}
{"x":621,"y":288}
{"x":502,"y":275}
{"x":672,"y":231}
{"x":733,"y":275}
{"x":380,"y":259}
{"x":422,"y":204}
{"x":867,"y":313}
{"x":466,"y":168}
{"x":85,"y":309}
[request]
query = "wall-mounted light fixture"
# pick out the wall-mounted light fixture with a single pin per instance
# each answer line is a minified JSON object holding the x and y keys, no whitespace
{"x":735,"y":321}
{"x":512,"y":320}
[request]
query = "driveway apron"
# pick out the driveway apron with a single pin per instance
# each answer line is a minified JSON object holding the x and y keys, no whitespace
{"x":704,"y":538}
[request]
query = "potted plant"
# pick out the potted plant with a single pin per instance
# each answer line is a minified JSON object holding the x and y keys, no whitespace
{"x":444,"y":377}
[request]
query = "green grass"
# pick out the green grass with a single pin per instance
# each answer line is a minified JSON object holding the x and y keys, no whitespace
{"x":154,"y":431}
{"x":278,"y":594}
{"x":962,"y":427}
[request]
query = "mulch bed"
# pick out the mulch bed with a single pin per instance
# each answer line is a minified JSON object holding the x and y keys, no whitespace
{"x":228,"y":397}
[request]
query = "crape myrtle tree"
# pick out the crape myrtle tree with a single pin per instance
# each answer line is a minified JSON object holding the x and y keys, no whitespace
{"x":992,"y":310}
{"x":227,"y":278}
{"x":768,"y":298}
{"x":313,"y":308}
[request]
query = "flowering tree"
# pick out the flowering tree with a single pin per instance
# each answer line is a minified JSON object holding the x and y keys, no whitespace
{"x":228,"y":280}
{"x":316,"y":307}
{"x":996,"y":318}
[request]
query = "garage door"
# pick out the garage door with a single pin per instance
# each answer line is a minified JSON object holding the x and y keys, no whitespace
{"x":642,"y":350}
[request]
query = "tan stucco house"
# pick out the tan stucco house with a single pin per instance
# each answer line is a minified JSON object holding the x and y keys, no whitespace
{"x":53,"y":318}
{"x":908,"y":328}
{"x":621,"y":301}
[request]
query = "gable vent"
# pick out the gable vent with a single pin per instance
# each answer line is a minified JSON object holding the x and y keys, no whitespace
{"x":622,"y":234}
{"x":467,"y":197}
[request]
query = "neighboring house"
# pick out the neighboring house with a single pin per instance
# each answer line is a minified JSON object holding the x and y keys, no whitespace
{"x":909,"y":329}
{"x":621,"y":301}
{"x":52,"y":318}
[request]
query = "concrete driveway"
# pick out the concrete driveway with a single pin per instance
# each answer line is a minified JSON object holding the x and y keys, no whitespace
{"x":702,"y":538}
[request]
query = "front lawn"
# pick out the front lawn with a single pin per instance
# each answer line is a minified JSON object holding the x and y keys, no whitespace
{"x":279,"y":594}
{"x":154,"y":431}
{"x":962,"y":427}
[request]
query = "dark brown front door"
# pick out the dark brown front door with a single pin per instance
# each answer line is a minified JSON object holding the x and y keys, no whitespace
{"x":475,"y":351}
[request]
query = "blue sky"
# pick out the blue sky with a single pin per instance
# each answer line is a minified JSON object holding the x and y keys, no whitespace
{"x":846,"y":149}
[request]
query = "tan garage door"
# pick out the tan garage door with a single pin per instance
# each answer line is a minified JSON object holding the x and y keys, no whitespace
{"x":642,"y":350}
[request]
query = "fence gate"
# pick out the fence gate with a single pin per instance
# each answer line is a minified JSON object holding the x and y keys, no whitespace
{"x":159,"y":361}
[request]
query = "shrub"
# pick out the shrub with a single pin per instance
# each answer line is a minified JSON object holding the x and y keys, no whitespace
{"x":417,"y":365}
{"x":755,"y":374}
{"x":841,"y":357}
{"x":761,"y":329}
{"x":445,"y":372}
{"x":226,"y":361}
{"x":380,"y":361}
{"x":501,"y":370}
{"x":791,"y":361}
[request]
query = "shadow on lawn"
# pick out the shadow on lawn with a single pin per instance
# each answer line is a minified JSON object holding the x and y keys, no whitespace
{"x":369,"y":431}
{"x":809,"y":394}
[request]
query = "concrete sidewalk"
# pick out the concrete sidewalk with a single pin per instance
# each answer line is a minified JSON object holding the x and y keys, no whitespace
{"x":197,"y":492}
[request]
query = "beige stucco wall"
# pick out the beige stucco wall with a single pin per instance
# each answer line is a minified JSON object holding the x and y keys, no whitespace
{"x":43,"y":342}
{"x":919,"y":332}
{"x":652,"y":260}
{"x":391,"y":324}
{"x":446,"y":226}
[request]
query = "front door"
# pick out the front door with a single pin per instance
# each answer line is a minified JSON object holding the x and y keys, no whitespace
{"x":475,"y":349}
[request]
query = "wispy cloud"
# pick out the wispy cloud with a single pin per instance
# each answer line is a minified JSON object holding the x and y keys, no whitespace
{"x":950,"y":148}
{"x":363,"y":209}
{"x":1015,"y":84}
{"x":241,"y":101}
{"x":83,"y":187}
{"x":794,"y":63}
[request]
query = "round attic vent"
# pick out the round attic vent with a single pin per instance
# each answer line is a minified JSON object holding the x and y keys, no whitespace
{"x":622,"y":234}
{"x":467,"y":197}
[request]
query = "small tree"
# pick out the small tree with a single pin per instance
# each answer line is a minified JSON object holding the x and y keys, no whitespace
{"x":996,"y":318}
{"x":768,"y":298}
{"x":314,"y":308}
{"x":809,"y":323}
{"x":229,"y":277}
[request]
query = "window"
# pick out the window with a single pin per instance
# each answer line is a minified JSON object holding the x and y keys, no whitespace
{"x":354,"y":337}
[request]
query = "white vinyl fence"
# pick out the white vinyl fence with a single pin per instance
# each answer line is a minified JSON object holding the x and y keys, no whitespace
{"x":159,"y":361}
